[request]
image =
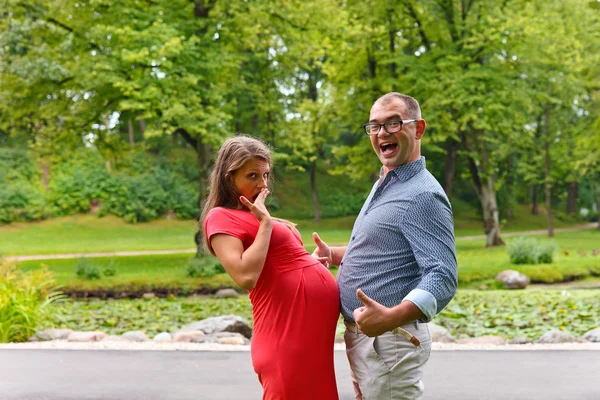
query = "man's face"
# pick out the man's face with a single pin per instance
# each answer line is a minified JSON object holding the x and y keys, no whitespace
{"x":399,"y":148}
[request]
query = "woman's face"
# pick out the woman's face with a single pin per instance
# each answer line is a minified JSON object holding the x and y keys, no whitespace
{"x":251,"y":178}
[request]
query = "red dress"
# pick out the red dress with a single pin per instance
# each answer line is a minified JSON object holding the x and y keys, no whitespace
{"x":295,"y":306}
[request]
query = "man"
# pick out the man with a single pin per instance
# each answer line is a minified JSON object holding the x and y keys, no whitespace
{"x":399,"y":269}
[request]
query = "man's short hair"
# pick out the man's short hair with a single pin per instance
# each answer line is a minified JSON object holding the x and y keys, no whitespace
{"x":412,"y":105}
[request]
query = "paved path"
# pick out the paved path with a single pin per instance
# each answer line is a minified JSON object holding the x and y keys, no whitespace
{"x":536,"y":232}
{"x":199,"y":375}
{"x":193,"y":251}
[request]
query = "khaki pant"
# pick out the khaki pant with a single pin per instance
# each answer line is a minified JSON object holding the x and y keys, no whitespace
{"x":388,"y":367}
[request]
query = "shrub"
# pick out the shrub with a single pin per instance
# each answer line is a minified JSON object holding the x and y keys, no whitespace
{"x":110,"y":269}
{"x":204,"y":267}
{"x":86,"y":269}
{"x":546,"y":252}
{"x":25,"y":298}
{"x":526,"y":250}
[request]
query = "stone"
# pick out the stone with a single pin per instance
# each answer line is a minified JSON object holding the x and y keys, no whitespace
{"x":228,"y":292}
{"x":593,"y":335}
{"x":163,"y":337}
{"x":232,"y":340}
{"x":223,"y":323}
{"x":520,"y":340}
{"x":440,"y":334}
{"x":135,"y":336}
{"x":149,"y":295}
{"x":513,"y":279}
{"x":484,"y":340}
{"x":187,"y":336}
{"x":50,"y":334}
{"x":113,"y":338}
{"x":223,"y":338}
{"x":557,"y":336}
{"x":93,"y":336}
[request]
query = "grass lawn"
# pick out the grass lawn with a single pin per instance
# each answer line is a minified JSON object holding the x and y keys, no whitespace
{"x":477,"y":266}
{"x":89,"y":234}
{"x":471,"y":313}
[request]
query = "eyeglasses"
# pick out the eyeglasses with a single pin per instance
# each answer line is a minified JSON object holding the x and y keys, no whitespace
{"x":390,"y":126}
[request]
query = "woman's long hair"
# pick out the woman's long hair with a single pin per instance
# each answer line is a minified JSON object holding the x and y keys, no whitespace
{"x":233,"y":154}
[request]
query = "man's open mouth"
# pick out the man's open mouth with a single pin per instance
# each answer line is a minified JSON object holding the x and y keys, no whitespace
{"x":388,"y":148}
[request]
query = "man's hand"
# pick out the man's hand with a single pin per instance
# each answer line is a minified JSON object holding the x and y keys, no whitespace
{"x":372,"y":319}
{"x":323,"y":252}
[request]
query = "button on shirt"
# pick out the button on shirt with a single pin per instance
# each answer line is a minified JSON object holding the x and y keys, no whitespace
{"x":402,"y":245}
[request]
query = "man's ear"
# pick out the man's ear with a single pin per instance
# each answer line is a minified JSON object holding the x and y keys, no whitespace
{"x":421,"y":126}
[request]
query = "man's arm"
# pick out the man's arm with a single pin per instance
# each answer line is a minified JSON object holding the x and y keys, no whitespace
{"x":429,"y":228}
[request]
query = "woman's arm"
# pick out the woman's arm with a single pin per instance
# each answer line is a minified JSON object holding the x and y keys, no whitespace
{"x":245,"y":267}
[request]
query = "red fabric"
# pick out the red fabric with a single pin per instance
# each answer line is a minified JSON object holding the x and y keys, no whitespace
{"x":295,"y":305}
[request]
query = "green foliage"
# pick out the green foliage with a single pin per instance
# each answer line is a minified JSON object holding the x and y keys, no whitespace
{"x":204,"y":267}
{"x":471,"y":313}
{"x":527,"y":313}
{"x":87,"y":269}
{"x":25,"y":299}
{"x":527,"y":250}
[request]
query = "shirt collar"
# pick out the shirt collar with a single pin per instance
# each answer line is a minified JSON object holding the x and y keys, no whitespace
{"x":405,"y":172}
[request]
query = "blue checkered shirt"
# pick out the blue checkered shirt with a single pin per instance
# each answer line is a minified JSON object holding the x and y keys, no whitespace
{"x":402,"y":245}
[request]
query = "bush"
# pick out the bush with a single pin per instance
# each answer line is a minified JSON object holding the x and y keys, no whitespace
{"x":204,"y":267}
{"x":24,"y":301}
{"x":110,"y":269}
{"x":526,"y":250}
{"x":86,"y":269}
{"x":546,"y":252}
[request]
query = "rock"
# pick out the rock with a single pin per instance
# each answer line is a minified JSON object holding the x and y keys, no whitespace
{"x":520,"y":340}
{"x":232,"y":340}
{"x":94,"y":336}
{"x":50,"y":334}
{"x":557,"y":336}
{"x":440,"y":334}
{"x":188,"y":336}
{"x":223,"y":338}
{"x":228,"y":292}
{"x":113,"y":338}
{"x":483,"y":340}
{"x":224,"y":323}
{"x":513,"y":279}
{"x":135,"y":336}
{"x":148,"y":295}
{"x":593,"y":335}
{"x":163,"y":337}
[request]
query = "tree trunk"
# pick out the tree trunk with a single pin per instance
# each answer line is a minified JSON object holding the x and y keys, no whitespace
{"x":484,"y":187}
{"x":142,"y":125}
{"x":45,"y":175}
{"x":572,"y":198}
{"x":491,"y":223}
{"x":534,"y":200}
{"x":130,"y":128}
{"x":203,"y":160}
{"x":547,"y":182}
{"x":450,"y":166}
{"x":313,"y":191}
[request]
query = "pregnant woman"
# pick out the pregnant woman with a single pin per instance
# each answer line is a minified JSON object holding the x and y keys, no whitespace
{"x":295,"y":299}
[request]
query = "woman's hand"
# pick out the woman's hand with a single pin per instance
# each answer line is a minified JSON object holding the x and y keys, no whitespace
{"x":258,"y":208}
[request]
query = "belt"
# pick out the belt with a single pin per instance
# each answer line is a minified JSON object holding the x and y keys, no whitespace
{"x":409,"y":336}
